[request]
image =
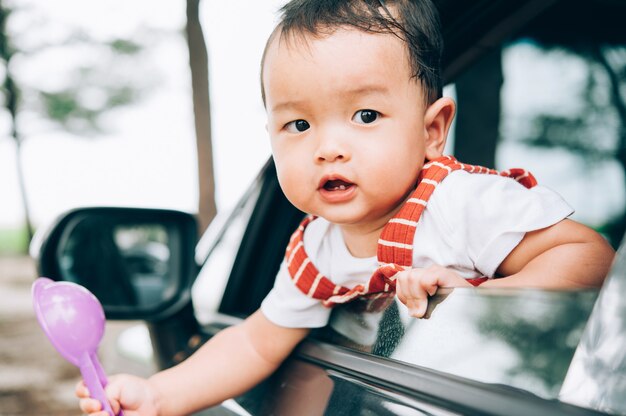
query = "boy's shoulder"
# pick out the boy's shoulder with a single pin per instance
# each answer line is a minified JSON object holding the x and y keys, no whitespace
{"x":464,"y":192}
{"x":461,"y":185}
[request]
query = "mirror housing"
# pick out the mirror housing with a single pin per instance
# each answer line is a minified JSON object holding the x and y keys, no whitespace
{"x":138,"y":262}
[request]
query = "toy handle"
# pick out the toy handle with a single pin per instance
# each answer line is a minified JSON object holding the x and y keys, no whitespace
{"x":101,"y":375}
{"x":95,"y":380}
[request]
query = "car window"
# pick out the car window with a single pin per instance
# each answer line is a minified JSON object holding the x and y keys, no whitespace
{"x":216,"y":252}
{"x":517,"y":337}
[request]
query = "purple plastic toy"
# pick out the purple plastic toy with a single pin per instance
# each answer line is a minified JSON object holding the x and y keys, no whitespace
{"x":73,"y":320}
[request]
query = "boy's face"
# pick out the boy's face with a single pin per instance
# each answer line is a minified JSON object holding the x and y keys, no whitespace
{"x":346,"y":123}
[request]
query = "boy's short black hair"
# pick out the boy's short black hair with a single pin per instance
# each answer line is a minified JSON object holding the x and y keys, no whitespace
{"x":414,"y":21}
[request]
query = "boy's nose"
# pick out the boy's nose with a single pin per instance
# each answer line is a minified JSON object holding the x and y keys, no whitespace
{"x":331,"y":150}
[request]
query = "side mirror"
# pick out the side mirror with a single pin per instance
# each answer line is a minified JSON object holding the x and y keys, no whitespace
{"x":138,"y":262}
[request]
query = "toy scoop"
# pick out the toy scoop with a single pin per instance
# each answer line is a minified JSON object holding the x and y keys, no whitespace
{"x":73,"y":320}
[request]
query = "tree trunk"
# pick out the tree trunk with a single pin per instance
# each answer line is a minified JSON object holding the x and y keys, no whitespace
{"x":199,"y":65}
{"x":11,"y":99}
{"x":20,"y":177}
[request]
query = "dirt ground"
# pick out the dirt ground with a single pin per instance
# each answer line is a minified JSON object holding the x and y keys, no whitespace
{"x":34,"y":379}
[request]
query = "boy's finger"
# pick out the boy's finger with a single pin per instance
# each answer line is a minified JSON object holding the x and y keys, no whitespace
{"x":113,"y":394}
{"x":89,"y":405}
{"x":115,"y":406}
{"x":409,"y":295}
{"x":430,"y":281}
{"x":431,"y":286}
{"x":417,"y":307}
{"x":400,"y":292}
{"x":81,"y":390}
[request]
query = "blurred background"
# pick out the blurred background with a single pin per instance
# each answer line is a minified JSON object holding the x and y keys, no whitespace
{"x":96,"y":108}
{"x":101,"y":105}
{"x":104,"y":110}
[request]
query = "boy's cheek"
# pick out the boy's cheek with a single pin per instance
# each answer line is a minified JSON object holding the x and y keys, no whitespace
{"x":291,"y":187}
{"x":275,"y":146}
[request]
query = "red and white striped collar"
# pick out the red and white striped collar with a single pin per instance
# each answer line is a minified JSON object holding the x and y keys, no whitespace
{"x":395,"y":245}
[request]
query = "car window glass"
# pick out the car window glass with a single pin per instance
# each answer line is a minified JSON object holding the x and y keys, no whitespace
{"x":217,"y":249}
{"x":595,"y":377}
{"x":518,"y":337}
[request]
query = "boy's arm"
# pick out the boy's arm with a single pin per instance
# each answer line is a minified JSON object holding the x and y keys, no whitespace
{"x":567,"y":254}
{"x":232,"y":362}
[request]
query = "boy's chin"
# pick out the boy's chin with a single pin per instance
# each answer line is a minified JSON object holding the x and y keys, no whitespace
{"x":349,"y":220}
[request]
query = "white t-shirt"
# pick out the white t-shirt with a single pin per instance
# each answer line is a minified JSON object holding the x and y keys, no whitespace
{"x":471,"y":223}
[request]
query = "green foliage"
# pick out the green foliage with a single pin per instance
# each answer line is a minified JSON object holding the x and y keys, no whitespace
{"x":63,"y":106}
{"x":125,"y":46}
{"x":66,"y":108}
{"x":121,"y":96}
{"x":598,"y":130}
{"x":572,"y":133}
{"x":101,"y":76}
{"x":104,"y":77}
{"x":13,"y":241}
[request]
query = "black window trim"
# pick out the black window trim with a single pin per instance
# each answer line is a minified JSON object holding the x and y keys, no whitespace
{"x":440,"y":389}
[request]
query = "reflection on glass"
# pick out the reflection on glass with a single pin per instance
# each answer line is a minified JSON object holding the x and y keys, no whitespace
{"x":146,"y":256}
{"x":597,"y":375}
{"x":120,"y":264}
{"x":519,"y":337}
{"x":218,"y":250}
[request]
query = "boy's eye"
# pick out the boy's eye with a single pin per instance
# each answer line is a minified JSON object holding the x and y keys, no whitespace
{"x":297,"y":126}
{"x":365,"y":116}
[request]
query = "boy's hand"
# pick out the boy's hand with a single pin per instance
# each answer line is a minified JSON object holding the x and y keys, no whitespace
{"x":414,"y":286}
{"x":135,"y":395}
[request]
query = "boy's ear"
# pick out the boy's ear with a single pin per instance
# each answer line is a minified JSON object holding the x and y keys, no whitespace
{"x":437,"y":121}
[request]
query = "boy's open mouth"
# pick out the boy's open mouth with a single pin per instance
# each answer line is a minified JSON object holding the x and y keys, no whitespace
{"x":337,"y":185}
{"x":336,"y":189}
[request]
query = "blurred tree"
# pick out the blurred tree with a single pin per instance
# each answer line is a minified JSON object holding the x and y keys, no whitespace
{"x":107,"y":77}
{"x":71,"y":106}
{"x":10,"y":102}
{"x":598,"y":130}
{"x":199,"y":65}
